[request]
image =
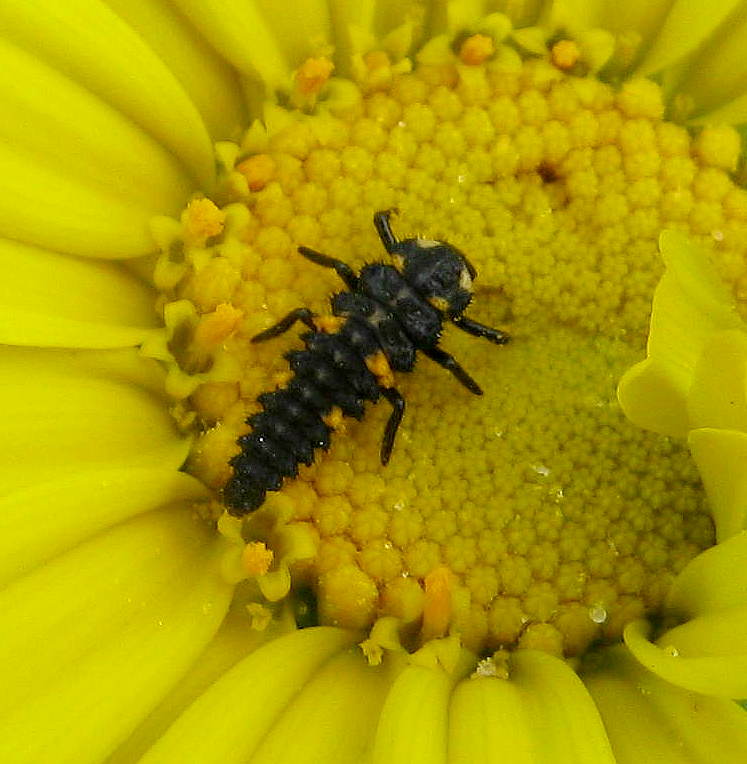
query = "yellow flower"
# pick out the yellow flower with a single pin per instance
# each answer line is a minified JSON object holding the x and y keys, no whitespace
{"x":532,"y":578}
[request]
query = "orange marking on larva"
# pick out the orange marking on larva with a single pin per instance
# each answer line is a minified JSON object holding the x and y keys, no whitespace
{"x":379,"y":366}
{"x":437,"y":605}
{"x":328,"y":324}
{"x":439,"y":303}
{"x":282,"y":378}
{"x":335,"y":419}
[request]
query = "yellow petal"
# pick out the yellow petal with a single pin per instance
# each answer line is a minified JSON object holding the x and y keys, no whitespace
{"x":640,"y":18}
{"x":47,"y":299}
{"x":97,"y":636}
{"x":715,"y":579}
{"x":565,"y":723}
{"x":333,"y":718}
{"x":654,"y":398}
{"x":688,"y":23}
{"x":413,"y":728}
{"x":718,"y":394}
{"x":714,"y":78}
{"x":42,"y":206}
{"x":650,"y":720}
{"x":721,"y":456}
{"x":732,"y":112}
{"x":70,"y":130}
{"x":210,"y":82}
{"x":240,"y":31}
{"x":301,"y":32}
{"x":582,"y":13}
{"x":524,"y":13}
{"x":232,"y":642}
{"x":697,"y":296}
{"x":488,"y":724}
{"x":44,"y":520}
{"x":464,"y":14}
{"x":228,"y":722}
{"x":707,"y":654}
{"x":66,"y":411}
{"x":88,"y":42}
{"x":690,"y":303}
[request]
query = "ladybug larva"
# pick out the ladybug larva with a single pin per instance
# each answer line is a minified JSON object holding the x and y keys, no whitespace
{"x":377,"y":325}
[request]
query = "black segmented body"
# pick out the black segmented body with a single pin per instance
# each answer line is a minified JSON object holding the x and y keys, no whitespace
{"x":387,"y":314}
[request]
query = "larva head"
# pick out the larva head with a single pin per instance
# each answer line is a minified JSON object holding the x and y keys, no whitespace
{"x":437,"y":271}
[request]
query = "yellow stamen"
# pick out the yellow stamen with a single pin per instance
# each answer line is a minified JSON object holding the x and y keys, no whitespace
{"x":335,"y":420}
{"x":282,"y":378}
{"x":565,"y":54}
{"x":328,"y":324}
{"x":312,"y":75}
{"x":476,"y":49}
{"x":437,"y":604}
{"x":258,"y":170}
{"x":257,"y":558}
{"x":260,"y":616}
{"x":201,"y":220}
{"x":213,"y":328}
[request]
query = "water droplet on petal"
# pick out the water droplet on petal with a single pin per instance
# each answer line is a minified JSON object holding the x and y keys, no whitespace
{"x":598,"y":613}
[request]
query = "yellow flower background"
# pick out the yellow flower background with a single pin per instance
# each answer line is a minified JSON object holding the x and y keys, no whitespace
{"x":131,"y":631}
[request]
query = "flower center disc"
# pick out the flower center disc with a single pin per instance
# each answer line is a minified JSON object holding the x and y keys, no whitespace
{"x":536,"y":515}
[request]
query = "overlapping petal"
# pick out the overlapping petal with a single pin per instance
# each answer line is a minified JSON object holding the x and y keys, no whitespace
{"x":86,"y":41}
{"x":690,"y":305}
{"x":243,"y":36}
{"x":716,"y":579}
{"x":230,"y":720}
{"x":706,"y":654}
{"x":414,"y":722}
{"x":712,"y":81}
{"x":75,"y":507}
{"x":68,"y":411}
{"x":686,"y":26}
{"x":720,"y":456}
{"x":119,"y":619}
{"x":649,"y":719}
{"x":53,"y":300}
{"x":494,"y":720}
{"x":211,"y":83}
{"x":230,"y":644}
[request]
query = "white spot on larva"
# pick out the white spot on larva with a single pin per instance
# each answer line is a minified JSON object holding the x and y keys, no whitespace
{"x":465,"y":280}
{"x":427,"y":243}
